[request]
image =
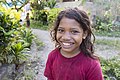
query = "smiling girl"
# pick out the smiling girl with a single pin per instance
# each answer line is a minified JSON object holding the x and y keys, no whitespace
{"x":73,"y":58}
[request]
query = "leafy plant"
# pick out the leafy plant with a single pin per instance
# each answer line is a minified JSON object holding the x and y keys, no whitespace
{"x":26,"y":36}
{"x":12,"y":41}
{"x":52,"y":15}
{"x":111,"y":68}
{"x":38,"y":4}
{"x":41,"y":15}
{"x":18,"y":54}
{"x":106,"y":12}
{"x":51,"y":3}
{"x":50,"y":18}
{"x":103,"y":24}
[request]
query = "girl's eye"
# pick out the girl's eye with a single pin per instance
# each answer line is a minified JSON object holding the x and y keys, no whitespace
{"x":60,"y":30}
{"x":75,"y":32}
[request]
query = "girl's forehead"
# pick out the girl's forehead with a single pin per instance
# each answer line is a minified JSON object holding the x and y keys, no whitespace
{"x":69,"y":22}
{"x":66,"y":19}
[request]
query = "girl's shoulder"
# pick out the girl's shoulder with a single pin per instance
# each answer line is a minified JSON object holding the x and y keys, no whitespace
{"x":88,"y":61}
{"x":53,"y":53}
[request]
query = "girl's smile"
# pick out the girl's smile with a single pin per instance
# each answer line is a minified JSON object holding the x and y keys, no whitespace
{"x":69,"y":36}
{"x":67,"y":45}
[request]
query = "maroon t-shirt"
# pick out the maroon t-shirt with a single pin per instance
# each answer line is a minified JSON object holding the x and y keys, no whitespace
{"x":79,"y":67}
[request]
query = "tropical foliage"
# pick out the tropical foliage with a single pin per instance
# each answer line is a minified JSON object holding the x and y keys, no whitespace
{"x":14,"y":40}
{"x":111,"y":68}
{"x":45,"y":19}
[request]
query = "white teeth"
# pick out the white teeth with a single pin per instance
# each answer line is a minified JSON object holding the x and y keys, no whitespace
{"x":67,"y":44}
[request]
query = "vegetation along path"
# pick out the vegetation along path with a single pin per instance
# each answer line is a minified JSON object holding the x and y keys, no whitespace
{"x":104,"y":50}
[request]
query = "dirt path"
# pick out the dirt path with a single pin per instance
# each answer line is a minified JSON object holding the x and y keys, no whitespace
{"x":104,"y":51}
{"x":44,"y":37}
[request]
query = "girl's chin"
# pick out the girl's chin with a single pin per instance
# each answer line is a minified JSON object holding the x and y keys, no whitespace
{"x":66,"y":50}
{"x":70,"y":50}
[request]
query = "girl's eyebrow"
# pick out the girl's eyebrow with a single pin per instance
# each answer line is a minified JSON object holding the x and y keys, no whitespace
{"x":60,"y":27}
{"x":75,"y":28}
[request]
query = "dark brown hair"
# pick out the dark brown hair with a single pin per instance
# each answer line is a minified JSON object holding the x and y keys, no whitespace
{"x":82,"y":18}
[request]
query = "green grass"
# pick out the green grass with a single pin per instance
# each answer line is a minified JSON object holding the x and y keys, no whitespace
{"x":109,"y":34}
{"x":111,"y":43}
{"x":38,"y":25}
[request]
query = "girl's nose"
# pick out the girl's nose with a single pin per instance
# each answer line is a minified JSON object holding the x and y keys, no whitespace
{"x":66,"y":36}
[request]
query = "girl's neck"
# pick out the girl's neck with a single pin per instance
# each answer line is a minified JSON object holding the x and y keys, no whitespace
{"x":69,"y":55}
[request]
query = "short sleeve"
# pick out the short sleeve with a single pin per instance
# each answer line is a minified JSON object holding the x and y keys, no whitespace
{"x":48,"y":68}
{"x":95,"y":72}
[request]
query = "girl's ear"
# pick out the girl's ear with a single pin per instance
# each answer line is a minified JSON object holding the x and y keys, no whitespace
{"x":85,"y":34}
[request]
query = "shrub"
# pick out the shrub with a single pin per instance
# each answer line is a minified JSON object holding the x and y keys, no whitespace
{"x":14,"y":40}
{"x":51,"y":3}
{"x":45,"y":18}
{"x":111,"y":68}
{"x":53,"y":13}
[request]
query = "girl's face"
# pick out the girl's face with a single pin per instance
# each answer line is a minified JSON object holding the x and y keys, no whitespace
{"x":70,"y":36}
